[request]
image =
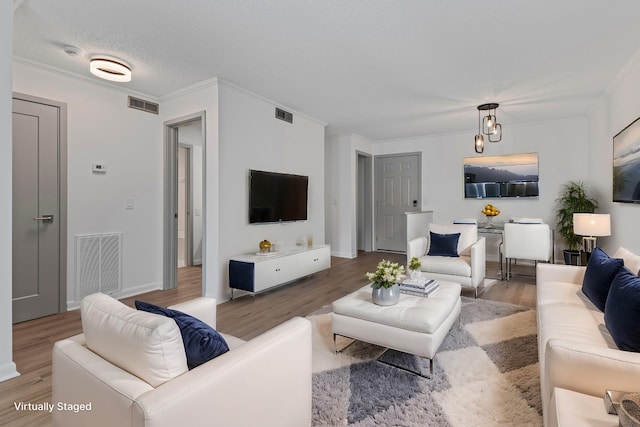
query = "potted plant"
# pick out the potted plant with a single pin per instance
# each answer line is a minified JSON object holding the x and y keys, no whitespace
{"x":573,"y":199}
{"x":385,"y":283}
{"x":414,"y":266}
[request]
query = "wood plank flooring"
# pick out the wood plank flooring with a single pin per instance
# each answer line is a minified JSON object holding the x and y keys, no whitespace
{"x":245,"y":317}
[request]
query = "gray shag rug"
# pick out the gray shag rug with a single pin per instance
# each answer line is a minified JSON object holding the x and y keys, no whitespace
{"x":486,"y":374}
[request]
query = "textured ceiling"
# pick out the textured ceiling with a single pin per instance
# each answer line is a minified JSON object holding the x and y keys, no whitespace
{"x":378,"y":68}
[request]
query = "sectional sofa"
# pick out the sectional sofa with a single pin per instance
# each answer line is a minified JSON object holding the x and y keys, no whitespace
{"x":580,"y":335}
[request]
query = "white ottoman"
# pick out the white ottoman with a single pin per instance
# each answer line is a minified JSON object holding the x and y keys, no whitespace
{"x":415,"y":325}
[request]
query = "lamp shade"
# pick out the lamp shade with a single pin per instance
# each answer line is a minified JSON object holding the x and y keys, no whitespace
{"x":587,"y":224}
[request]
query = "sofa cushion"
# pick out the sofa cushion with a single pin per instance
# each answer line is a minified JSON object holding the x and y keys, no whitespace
{"x":468,"y":235}
{"x":598,"y":277}
{"x":143,"y":344}
{"x":631,"y":260}
{"x":622,"y":311}
{"x":455,"y":266}
{"x":443,"y":244}
{"x":201,"y":342}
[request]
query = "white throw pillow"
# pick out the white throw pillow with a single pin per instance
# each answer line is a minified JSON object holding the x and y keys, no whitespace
{"x":146,"y":345}
{"x":631,"y":260}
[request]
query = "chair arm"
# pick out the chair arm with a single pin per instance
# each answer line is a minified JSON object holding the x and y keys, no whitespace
{"x":265,"y":382}
{"x":81,"y":376}
{"x":559,"y":273}
{"x":416,"y":248}
{"x":202,"y":308}
{"x":590,"y":370}
{"x":478,"y":261}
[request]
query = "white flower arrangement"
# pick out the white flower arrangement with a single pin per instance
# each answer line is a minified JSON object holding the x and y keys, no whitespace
{"x":386,"y":275}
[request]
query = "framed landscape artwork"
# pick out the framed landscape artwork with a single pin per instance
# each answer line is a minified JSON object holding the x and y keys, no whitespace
{"x":626,"y":164}
{"x":514,"y":175}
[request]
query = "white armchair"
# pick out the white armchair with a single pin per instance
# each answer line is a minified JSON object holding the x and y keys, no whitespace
{"x":528,"y":241}
{"x":265,"y":381}
{"x":468,"y":268}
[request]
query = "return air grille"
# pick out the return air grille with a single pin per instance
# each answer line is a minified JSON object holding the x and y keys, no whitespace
{"x":284,"y":115}
{"x":142,"y":105}
{"x":98,"y":264}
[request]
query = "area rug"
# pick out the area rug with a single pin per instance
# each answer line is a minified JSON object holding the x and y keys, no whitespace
{"x":486,"y":374}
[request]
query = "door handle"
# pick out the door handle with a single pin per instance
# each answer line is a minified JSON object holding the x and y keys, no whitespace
{"x":44,"y":218}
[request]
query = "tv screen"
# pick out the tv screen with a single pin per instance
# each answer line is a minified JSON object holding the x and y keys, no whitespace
{"x":276,"y":197}
{"x":514,"y":175}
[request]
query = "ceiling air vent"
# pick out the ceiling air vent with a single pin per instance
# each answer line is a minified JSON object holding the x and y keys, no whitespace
{"x":284,"y":115}
{"x":141,"y":104}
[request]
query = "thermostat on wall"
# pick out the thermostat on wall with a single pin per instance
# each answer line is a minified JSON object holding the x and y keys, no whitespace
{"x":99,"y":167}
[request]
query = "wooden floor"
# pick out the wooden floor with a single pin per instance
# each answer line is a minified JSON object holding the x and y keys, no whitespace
{"x":245,"y":317}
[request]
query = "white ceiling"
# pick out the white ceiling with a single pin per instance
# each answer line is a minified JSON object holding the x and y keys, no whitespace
{"x":382,"y":69}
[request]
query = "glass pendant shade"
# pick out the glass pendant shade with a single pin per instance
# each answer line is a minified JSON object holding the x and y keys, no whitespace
{"x":487,"y":125}
{"x":479,"y":144}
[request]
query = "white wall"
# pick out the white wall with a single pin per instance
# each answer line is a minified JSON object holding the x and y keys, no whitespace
{"x":442,"y":178}
{"x":191,"y":135}
{"x":252,"y":138}
{"x":102,"y":128}
{"x":341,"y":151}
{"x":617,"y":109}
{"x":7,"y":367}
{"x":191,"y":101}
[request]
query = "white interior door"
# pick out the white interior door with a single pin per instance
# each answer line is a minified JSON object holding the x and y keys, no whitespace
{"x":36,"y":210}
{"x":184,"y":210}
{"x":397,"y":191}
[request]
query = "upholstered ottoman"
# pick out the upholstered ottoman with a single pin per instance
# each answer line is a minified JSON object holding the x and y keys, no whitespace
{"x":415,"y":325}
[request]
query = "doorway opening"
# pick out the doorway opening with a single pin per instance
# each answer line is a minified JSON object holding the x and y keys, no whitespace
{"x":184,"y":199}
{"x":364,"y":208}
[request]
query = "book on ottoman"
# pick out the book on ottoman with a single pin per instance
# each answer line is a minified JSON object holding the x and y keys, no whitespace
{"x":423,"y":287}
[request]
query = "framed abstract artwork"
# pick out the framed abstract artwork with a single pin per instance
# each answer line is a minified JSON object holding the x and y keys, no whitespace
{"x":514,"y":175}
{"x":626,"y":164}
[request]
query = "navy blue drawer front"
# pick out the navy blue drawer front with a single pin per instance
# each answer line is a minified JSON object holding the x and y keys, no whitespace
{"x":241,"y":275}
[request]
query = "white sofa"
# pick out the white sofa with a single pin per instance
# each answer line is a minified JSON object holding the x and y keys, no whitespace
{"x":576,"y":351}
{"x":468,"y":268}
{"x":265,"y":381}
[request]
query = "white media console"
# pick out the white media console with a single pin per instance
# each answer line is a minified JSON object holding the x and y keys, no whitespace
{"x":256,"y":272}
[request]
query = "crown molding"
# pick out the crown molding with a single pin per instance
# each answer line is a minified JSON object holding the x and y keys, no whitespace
{"x":87,"y":79}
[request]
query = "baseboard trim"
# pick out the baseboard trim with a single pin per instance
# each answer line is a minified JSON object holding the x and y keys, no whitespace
{"x":8,"y":371}
{"x":125,"y":293}
{"x":344,"y":255}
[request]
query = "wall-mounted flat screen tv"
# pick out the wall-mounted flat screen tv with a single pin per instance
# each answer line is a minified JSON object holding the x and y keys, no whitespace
{"x":514,"y":175}
{"x":277,"y":197}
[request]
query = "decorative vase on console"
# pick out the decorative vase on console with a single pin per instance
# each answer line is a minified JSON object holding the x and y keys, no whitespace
{"x":385,"y":289}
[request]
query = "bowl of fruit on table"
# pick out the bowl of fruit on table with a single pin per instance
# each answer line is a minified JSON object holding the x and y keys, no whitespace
{"x":490,"y":213}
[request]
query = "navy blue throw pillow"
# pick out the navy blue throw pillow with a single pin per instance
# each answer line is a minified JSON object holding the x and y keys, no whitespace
{"x":443,"y":244}
{"x":598,"y":277}
{"x":201,"y":342}
{"x":622,"y":311}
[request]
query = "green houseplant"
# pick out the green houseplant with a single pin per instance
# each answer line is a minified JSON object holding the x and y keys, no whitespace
{"x":573,"y":199}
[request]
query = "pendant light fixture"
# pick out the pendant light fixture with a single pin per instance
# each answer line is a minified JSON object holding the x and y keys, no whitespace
{"x":109,"y":68}
{"x":488,"y":125}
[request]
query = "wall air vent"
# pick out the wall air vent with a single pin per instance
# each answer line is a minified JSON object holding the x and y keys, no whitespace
{"x":284,"y":115}
{"x":141,"y":104}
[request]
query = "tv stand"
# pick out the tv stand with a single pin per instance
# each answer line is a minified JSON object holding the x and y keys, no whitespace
{"x":258,"y":273}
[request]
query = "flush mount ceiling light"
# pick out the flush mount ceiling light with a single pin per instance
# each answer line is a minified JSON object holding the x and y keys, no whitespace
{"x":111,"y":69}
{"x":487,"y":125}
